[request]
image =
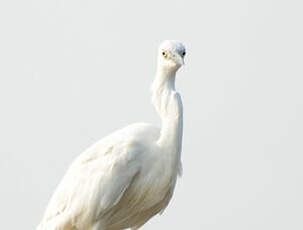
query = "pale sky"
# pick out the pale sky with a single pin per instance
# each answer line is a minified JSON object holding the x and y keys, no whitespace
{"x":73,"y":71}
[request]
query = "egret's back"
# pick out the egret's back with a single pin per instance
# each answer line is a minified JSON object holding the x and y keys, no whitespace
{"x":79,"y":194}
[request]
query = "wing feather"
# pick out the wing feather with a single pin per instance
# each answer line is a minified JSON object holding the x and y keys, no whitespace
{"x":94,"y":183}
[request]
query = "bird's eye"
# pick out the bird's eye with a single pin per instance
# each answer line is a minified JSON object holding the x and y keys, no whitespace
{"x":164,"y":54}
{"x":183,"y":54}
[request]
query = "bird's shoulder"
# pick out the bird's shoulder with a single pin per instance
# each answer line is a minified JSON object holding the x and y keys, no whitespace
{"x":125,"y":143}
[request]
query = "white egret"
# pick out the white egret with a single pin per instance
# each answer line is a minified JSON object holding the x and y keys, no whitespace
{"x":129,"y":176}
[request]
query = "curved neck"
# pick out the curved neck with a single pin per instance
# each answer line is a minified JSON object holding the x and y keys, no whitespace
{"x":168,"y":105}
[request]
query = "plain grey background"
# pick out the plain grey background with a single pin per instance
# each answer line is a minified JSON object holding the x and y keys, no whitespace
{"x":73,"y":71}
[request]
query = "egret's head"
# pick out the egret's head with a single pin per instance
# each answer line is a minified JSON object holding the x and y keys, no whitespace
{"x":171,"y":55}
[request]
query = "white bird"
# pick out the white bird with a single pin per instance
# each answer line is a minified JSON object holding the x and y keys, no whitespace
{"x":129,"y":176}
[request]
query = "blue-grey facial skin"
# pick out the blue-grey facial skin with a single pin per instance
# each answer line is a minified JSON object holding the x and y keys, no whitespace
{"x":74,"y":71}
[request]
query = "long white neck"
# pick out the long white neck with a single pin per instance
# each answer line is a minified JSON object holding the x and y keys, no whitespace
{"x":168,"y":105}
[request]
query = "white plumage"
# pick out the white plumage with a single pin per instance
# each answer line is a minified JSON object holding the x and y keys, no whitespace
{"x":128,"y":177}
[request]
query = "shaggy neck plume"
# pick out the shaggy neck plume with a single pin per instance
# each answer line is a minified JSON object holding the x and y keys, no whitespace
{"x":168,"y":105}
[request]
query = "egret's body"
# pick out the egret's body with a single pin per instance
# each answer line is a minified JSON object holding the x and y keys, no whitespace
{"x":129,"y":176}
